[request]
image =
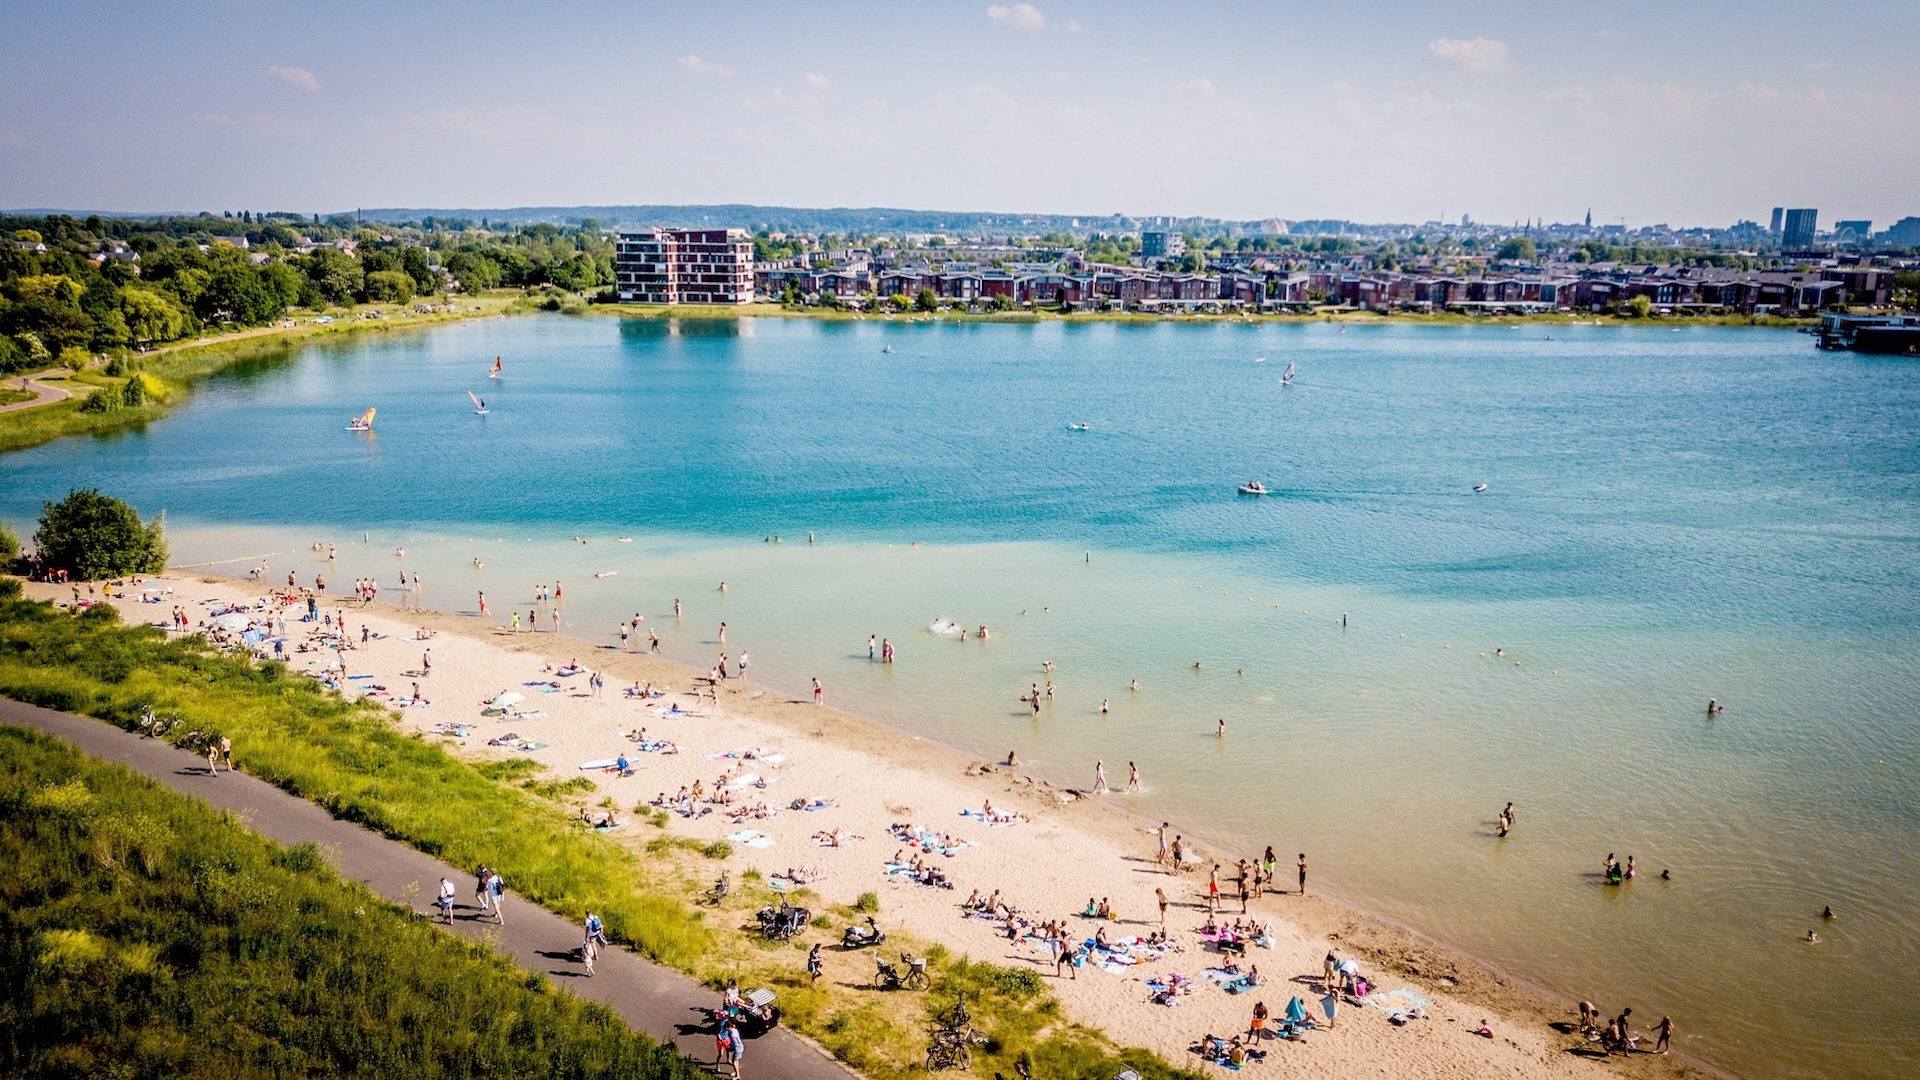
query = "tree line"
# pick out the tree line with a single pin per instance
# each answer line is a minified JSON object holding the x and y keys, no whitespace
{"x":71,"y":289}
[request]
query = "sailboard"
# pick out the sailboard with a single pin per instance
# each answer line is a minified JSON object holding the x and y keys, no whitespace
{"x":363,"y":422}
{"x":479,"y":406}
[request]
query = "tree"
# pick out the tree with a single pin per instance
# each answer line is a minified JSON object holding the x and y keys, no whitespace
{"x":389,"y":286}
{"x":152,"y":316}
{"x":414,"y":262}
{"x":1638,"y":307}
{"x":92,"y":536}
{"x":336,"y":275}
{"x":1517,"y":249}
{"x":474,"y":272}
{"x":926,"y":301}
{"x":239,"y":295}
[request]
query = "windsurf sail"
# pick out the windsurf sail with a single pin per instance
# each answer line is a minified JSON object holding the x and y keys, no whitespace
{"x":363,"y":422}
{"x":477,"y":403}
{"x":495,"y":373}
{"x":1286,"y":377}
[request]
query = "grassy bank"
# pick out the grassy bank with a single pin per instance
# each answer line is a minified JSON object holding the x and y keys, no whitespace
{"x":352,"y":759}
{"x":143,"y":933}
{"x":177,"y":367}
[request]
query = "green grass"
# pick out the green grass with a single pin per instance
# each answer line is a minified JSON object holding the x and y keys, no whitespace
{"x":13,"y":395}
{"x":351,"y":759}
{"x":144,"y":934}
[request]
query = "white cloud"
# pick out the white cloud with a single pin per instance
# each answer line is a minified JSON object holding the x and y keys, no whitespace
{"x":1479,"y":55}
{"x":1203,"y":87}
{"x":1073,"y":26}
{"x":818,"y":82}
{"x":1017,"y":16}
{"x":693,"y":63}
{"x":294,"y":76}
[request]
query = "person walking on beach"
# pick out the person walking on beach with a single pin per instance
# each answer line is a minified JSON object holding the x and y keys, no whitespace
{"x":624,"y":630}
{"x":871,"y":646}
{"x":446,"y":901}
{"x":1133,"y":778}
{"x":1177,"y":854}
{"x":1303,"y":873}
{"x":483,"y":604}
{"x":1213,"y":889}
{"x":1662,"y":1035}
{"x":819,"y":693}
{"x":1160,"y":856}
{"x":1099,"y":778}
{"x":1242,"y":884}
{"x":426,"y":662}
{"x":653,"y":641}
{"x":676,"y":607}
{"x":1267,"y":862}
{"x":1160,"y":896}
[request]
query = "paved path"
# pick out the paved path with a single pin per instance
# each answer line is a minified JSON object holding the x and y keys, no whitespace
{"x":47,"y":396}
{"x":651,"y":998}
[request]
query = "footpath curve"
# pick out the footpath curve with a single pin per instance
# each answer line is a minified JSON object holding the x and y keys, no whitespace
{"x":43,"y":395}
{"x":652,"y":999}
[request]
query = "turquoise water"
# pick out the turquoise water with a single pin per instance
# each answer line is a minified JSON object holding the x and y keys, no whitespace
{"x":1668,"y":517}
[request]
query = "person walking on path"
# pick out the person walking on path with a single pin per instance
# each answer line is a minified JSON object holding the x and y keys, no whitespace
{"x":226,"y":752}
{"x":1303,"y":873}
{"x":480,"y":887}
{"x":590,"y":947}
{"x":497,"y":890}
{"x":446,"y":901}
{"x":213,"y":756}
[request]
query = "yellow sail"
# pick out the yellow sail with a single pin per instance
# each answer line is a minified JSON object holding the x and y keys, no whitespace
{"x":366,"y":418}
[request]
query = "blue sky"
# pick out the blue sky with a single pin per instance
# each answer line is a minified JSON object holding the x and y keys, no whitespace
{"x":1686,"y":113}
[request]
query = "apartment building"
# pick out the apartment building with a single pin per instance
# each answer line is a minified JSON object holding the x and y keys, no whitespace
{"x":683,"y":266}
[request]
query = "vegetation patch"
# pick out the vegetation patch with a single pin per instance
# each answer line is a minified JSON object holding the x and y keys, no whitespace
{"x":143,"y":933}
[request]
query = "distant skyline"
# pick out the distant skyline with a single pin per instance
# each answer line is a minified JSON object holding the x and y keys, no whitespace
{"x":1688,"y":115}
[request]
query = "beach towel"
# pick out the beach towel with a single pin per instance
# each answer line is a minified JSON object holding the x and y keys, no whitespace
{"x":1399,"y":1005}
{"x":531,"y":746}
{"x":598,"y":763}
{"x":752,"y":838}
{"x":996,"y":821}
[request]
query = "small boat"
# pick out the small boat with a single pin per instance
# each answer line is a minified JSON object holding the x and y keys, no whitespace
{"x":1479,"y":487}
{"x":363,"y":422}
{"x":1081,"y":426}
{"x":495,"y":373}
{"x":623,"y":539}
{"x":1259,"y":359}
{"x":888,"y":349}
{"x":479,"y":406}
{"x":606,"y":573}
{"x":1253,"y":487}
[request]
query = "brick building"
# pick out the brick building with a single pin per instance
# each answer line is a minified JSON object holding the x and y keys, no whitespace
{"x":683,"y":266}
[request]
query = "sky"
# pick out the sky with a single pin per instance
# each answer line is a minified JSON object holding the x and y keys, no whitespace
{"x":1646,"y":113}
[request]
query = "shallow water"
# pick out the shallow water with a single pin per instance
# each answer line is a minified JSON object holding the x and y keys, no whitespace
{"x":1669,"y":516}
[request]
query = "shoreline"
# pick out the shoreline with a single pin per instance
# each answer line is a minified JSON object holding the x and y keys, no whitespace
{"x":181,"y":365}
{"x":771,"y":310}
{"x":1110,"y":832}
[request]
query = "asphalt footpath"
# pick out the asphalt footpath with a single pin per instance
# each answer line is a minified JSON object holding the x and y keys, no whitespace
{"x":652,"y":999}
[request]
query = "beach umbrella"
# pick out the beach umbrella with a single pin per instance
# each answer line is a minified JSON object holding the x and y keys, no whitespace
{"x":233,"y":620}
{"x":501,"y":701}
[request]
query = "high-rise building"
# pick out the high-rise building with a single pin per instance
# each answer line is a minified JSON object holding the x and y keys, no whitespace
{"x":1162,"y":245}
{"x":1905,"y":232}
{"x":1777,"y":211}
{"x":683,"y":266}
{"x":1852,"y":232}
{"x":1797,"y":232}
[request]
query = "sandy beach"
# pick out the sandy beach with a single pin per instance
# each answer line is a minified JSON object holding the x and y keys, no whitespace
{"x":1063,"y":848}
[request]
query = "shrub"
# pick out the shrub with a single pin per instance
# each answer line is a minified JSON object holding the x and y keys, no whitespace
{"x":867,"y":903}
{"x":91,"y":536}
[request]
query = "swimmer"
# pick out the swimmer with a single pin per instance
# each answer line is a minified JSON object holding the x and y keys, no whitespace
{"x":1812,"y":938}
{"x":1103,"y":706}
{"x":1196,"y":665}
{"x":1013,"y":760}
{"x":1827,"y":912}
{"x":1134,"y":686}
{"x":1221,"y":731}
